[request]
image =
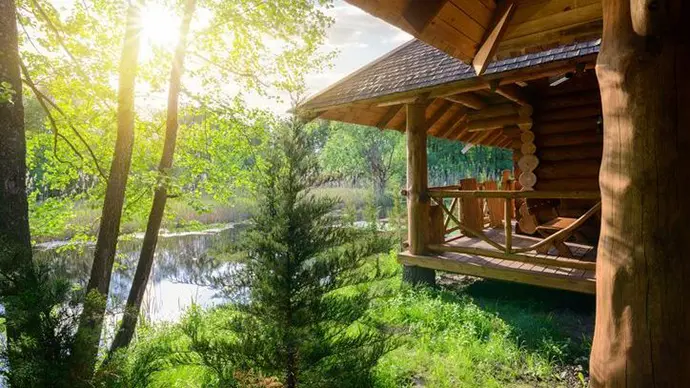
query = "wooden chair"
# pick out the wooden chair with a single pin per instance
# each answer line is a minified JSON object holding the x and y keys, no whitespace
{"x":549,"y":222}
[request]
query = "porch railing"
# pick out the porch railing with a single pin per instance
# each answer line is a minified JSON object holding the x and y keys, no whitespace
{"x":506,"y":250}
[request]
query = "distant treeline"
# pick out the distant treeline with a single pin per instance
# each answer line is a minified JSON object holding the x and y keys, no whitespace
{"x":361,"y":155}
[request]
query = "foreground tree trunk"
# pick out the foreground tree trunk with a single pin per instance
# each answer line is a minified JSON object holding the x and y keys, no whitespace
{"x":136,"y":294}
{"x":643,"y":268}
{"x":15,"y":239}
{"x":417,"y":196}
{"x":85,"y":349}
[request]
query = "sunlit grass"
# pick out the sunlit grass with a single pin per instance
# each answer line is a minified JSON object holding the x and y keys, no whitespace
{"x":449,"y":337}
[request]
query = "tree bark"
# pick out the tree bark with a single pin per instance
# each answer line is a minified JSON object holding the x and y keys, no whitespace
{"x":136,"y":293}
{"x":643,"y":266}
{"x":14,"y":209}
{"x":15,"y":238}
{"x":417,"y":197}
{"x":85,"y":349}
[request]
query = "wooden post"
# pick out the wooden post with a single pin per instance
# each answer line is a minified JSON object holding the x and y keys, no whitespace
{"x":437,"y":227}
{"x":471,"y":209}
{"x":417,"y":196}
{"x":495,"y":206}
{"x":507,"y":213}
{"x":641,"y":337}
{"x":506,"y":185}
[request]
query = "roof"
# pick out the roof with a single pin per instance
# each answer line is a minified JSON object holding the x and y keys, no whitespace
{"x":487,"y":29}
{"x":416,"y":65}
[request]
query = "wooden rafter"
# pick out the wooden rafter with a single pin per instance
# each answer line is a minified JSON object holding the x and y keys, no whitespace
{"x":488,"y":48}
{"x":458,"y":131}
{"x":469,"y":100}
{"x":419,"y":13}
{"x":440,"y":112}
{"x":461,"y":134}
{"x":498,"y":122}
{"x":388,"y":116}
{"x":513,"y":93}
{"x":491,"y":139}
{"x":499,"y":110}
{"x":454,"y":121}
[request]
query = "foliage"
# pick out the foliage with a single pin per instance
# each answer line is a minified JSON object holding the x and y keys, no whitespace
{"x":450,"y":338}
{"x":358,"y":153}
{"x":448,"y":164}
{"x":238,"y":49}
{"x":299,"y":298}
{"x":6,"y":93}
{"x":34,"y":303}
{"x":304,"y":319}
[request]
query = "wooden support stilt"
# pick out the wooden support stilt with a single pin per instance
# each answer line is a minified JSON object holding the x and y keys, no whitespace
{"x":641,"y":335}
{"x":417,"y":196}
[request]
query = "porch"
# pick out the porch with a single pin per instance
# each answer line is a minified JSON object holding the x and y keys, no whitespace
{"x":474,"y":235}
{"x":539,"y":269}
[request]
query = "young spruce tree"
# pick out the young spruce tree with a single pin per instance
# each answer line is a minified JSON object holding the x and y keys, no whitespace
{"x":308,"y":280}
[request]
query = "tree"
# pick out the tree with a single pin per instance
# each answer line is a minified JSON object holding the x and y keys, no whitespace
{"x":305,"y":313}
{"x":357,"y":151}
{"x":85,"y":350}
{"x":643,"y":263}
{"x":15,"y":239}
{"x":448,"y":164}
{"x":133,"y":306}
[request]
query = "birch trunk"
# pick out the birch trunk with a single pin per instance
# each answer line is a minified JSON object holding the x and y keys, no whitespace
{"x":136,"y":294}
{"x":85,"y":349}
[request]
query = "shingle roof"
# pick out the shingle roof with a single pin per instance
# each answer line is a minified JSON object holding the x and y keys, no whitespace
{"x":416,"y":65}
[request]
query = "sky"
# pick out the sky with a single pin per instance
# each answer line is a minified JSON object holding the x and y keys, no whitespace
{"x":359,"y":38}
{"x":356,"y":36}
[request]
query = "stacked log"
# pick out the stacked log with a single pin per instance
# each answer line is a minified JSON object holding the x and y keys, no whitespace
{"x":568,"y":137}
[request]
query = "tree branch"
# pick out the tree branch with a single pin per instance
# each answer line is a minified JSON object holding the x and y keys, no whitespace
{"x":42,"y":99}
{"x":44,"y":15}
{"x":233,"y":71}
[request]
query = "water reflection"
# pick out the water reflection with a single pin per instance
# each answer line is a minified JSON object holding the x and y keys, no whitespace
{"x":183,"y":265}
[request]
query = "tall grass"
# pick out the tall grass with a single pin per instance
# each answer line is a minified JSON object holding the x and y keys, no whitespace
{"x":52,"y":220}
{"x":486,"y":334}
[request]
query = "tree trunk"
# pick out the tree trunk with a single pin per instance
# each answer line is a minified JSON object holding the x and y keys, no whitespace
{"x":643,"y":267}
{"x":417,"y":196}
{"x":15,"y":239}
{"x":136,"y":294}
{"x":85,"y":349}
{"x":380,"y":191}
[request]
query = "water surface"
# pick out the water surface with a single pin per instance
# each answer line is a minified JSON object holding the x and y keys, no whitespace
{"x":183,"y":265}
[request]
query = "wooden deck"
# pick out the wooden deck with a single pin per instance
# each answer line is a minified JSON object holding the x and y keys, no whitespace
{"x":578,"y":280}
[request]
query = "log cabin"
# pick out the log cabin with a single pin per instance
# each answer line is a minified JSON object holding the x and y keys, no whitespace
{"x":544,"y":106}
{"x":610,"y":144}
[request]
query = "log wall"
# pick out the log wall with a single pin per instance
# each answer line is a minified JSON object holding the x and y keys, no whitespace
{"x":568,"y":136}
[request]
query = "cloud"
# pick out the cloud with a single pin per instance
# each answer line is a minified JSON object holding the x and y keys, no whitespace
{"x":401,"y":37}
{"x":354,"y":27}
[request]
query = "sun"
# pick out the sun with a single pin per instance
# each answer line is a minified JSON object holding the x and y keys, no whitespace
{"x":159,"y":28}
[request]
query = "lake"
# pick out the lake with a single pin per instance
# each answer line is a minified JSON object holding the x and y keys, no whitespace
{"x":180,"y":275}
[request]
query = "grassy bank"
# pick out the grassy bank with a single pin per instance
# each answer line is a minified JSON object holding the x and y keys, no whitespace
{"x":56,"y":220}
{"x":487,"y":334}
{"x":465,"y":333}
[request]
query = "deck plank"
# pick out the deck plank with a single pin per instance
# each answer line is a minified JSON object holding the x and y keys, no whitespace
{"x":484,"y":269}
{"x":551,"y":275}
